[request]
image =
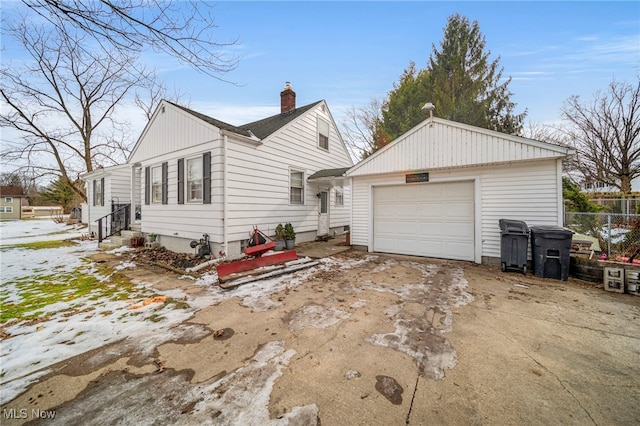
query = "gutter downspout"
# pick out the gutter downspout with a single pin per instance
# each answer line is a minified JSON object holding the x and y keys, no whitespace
{"x":560,"y":197}
{"x":225,"y":243}
{"x":132,"y":209}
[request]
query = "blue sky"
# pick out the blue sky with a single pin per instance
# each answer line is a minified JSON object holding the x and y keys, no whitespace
{"x":351,"y":52}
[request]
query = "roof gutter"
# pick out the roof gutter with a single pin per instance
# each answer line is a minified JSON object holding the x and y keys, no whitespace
{"x":253,"y":139}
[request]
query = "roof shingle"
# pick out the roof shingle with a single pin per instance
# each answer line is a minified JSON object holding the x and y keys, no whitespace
{"x":261,"y":128}
{"x":11,"y":191}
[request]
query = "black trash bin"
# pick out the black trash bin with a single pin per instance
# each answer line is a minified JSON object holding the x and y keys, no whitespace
{"x":514,"y":243}
{"x":551,"y":252}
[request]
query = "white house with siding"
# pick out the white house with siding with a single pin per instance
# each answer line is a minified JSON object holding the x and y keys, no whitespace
{"x":190,"y":175}
{"x":107,"y":189}
{"x":439,"y":190}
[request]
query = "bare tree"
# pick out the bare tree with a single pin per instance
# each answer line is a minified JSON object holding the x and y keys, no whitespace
{"x":360,"y":127}
{"x":156,"y":91}
{"x":18,"y":178}
{"x":63,"y":103}
{"x":606,"y":134}
{"x":182,"y":29}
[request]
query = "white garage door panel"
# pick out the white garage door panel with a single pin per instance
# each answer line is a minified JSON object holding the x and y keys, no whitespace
{"x":433,"y":220}
{"x":459,"y":209}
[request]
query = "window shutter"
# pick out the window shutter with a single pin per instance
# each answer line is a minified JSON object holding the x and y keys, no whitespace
{"x":95,"y":199}
{"x":206,"y":178}
{"x":180,"y":180}
{"x":102,"y":192}
{"x":165,"y":183}
{"x":147,"y":184}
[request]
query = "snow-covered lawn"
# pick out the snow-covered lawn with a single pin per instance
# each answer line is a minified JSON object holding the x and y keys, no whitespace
{"x":56,"y":304}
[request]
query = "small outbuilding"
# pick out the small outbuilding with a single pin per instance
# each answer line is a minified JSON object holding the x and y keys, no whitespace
{"x":440,"y":189}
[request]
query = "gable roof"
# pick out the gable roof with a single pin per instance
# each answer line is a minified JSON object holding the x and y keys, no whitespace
{"x":11,"y":191}
{"x":219,"y":124}
{"x":261,"y":128}
{"x":437,"y":143}
{"x":265,"y":127}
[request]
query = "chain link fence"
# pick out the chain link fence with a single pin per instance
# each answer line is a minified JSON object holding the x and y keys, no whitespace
{"x":621,"y":205}
{"x":618,"y":234}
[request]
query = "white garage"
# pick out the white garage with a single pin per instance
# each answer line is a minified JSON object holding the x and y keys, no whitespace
{"x":426,"y":220}
{"x":440,"y":189}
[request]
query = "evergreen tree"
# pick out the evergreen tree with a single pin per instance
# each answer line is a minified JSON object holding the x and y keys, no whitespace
{"x":575,"y":200}
{"x":60,"y":193}
{"x":465,"y":85}
{"x":403,"y":109}
{"x":460,"y":80}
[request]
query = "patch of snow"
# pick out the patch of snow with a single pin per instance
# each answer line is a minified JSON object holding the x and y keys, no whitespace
{"x":317,"y":316}
{"x":34,"y":230}
{"x":242,"y":397}
{"x":417,"y":336}
{"x":125,"y":265}
{"x":361,"y":303}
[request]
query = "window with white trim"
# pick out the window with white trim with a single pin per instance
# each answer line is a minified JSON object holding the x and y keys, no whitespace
{"x":296,"y":187}
{"x":323,"y":134}
{"x":194,"y":180}
{"x":98,"y":192}
{"x":6,"y":209}
{"x":339,"y":195}
{"x":8,"y":200}
{"x":156,"y":185}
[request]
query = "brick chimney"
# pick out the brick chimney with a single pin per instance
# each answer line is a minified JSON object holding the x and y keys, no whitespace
{"x":287,"y":99}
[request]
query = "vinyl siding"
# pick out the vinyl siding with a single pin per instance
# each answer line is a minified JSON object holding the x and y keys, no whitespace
{"x":528,"y":192}
{"x":258,"y":178}
{"x":15,"y":204}
{"x":170,"y":131}
{"x":340,"y":216}
{"x":445,"y":144}
{"x":191,"y":219}
{"x":117,"y":187}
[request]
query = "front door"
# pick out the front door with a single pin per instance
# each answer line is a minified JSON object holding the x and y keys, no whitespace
{"x":323,"y":213}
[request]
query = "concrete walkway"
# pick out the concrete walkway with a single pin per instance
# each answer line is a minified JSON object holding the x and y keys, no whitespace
{"x":321,"y":249}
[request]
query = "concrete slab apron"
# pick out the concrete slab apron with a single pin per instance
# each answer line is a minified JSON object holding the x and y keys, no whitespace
{"x":341,"y":345}
{"x":363,"y":370}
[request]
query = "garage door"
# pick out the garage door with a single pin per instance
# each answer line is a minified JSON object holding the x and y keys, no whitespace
{"x":432,"y":220}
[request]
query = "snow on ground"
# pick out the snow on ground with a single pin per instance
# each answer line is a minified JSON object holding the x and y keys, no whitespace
{"x":60,"y":326}
{"x":41,"y":229}
{"x":69,"y":322}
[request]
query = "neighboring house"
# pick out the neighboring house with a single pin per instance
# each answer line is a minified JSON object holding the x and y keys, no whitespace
{"x":599,"y":187}
{"x":11,"y":198}
{"x":191,"y":174}
{"x":440,"y":189}
{"x":41,"y":211}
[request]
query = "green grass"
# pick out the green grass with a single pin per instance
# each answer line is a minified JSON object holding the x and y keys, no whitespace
{"x":80,"y":292}
{"x":39,"y":291}
{"x":39,"y":245}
